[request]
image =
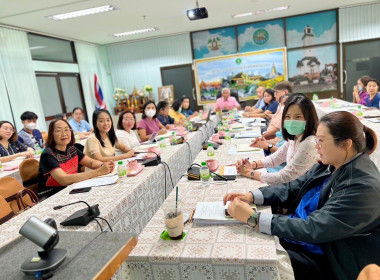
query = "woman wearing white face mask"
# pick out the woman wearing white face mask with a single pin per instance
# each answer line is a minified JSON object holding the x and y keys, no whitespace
{"x":149,"y":122}
{"x":299,"y":124}
{"x":360,"y":93}
{"x":29,"y":135}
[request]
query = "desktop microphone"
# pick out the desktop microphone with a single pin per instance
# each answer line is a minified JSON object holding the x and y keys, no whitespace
{"x":150,"y":162}
{"x":81,"y":217}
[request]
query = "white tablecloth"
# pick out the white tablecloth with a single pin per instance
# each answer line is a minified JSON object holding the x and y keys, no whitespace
{"x":208,"y":252}
{"x":323,"y":107}
{"x":129,"y":204}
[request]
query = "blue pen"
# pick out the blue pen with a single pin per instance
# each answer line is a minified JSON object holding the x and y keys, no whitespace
{"x":246,"y":159}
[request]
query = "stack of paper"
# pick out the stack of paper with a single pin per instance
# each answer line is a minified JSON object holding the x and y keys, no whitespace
{"x":212,"y":213}
{"x":247,"y":134}
{"x":228,"y":170}
{"x":96,"y":182}
{"x":246,"y":148}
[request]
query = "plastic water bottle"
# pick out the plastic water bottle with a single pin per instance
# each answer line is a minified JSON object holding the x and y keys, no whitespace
{"x":190,"y":126}
{"x":205,"y":175}
{"x":173,"y":139}
{"x":227,"y":136}
{"x":220,"y":127}
{"x":37,"y":150}
{"x":359,"y":113}
{"x":121,"y":170}
{"x":200,"y":114}
{"x":236,"y":113}
{"x":1,"y":166}
{"x":315,"y":97}
{"x":77,"y":137}
{"x":210,"y":151}
{"x":162,"y":143}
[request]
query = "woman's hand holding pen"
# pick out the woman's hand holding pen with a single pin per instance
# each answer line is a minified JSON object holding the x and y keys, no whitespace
{"x":243,"y":168}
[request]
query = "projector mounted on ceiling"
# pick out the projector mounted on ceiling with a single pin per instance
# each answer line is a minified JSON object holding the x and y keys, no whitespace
{"x":197,"y":13}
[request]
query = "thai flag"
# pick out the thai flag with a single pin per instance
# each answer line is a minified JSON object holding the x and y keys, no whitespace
{"x":100,"y":104}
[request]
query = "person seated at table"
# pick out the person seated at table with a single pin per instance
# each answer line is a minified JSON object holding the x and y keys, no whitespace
{"x":163,"y":114}
{"x":186,"y":111}
{"x":149,"y":122}
{"x":299,"y":122}
{"x":29,"y":135}
{"x":332,"y":226}
{"x":280,"y":89}
{"x":78,"y":124}
{"x":175,"y":113}
{"x":62,"y":116}
{"x":360,"y":93}
{"x":126,"y":130}
{"x":258,"y":108}
{"x":10,"y":147}
{"x":226,"y":101}
{"x":60,"y":159}
{"x":270,"y":106}
{"x":374,"y":96}
{"x":101,"y":144}
{"x":272,"y":145}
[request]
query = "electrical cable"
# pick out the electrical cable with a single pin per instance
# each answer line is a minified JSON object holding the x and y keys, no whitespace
{"x":170,"y":174}
{"x":101,"y":229}
{"x":106,"y":222}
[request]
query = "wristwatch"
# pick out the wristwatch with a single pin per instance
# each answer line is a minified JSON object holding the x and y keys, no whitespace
{"x":252,"y":221}
{"x":270,"y":146}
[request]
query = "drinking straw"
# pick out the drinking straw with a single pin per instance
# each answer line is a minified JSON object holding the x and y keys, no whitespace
{"x":176,"y":199}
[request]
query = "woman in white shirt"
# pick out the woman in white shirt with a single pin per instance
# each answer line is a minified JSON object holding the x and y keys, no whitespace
{"x":299,"y":125}
{"x":126,"y":130}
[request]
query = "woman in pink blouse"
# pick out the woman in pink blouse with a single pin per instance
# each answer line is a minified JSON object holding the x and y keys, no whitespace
{"x":299,"y":124}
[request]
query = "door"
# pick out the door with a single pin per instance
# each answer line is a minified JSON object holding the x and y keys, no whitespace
{"x":182,"y":78}
{"x":359,"y":59}
{"x":59,"y":93}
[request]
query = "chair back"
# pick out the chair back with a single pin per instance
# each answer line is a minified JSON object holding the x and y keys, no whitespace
{"x":233,"y":92}
{"x":16,"y":195}
{"x":44,"y":135}
{"x":29,"y":174}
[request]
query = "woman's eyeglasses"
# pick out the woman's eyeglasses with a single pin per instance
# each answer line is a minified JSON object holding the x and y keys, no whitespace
{"x":8,"y":129}
{"x":129,"y":120}
{"x":319,"y":142}
{"x":60,"y":131}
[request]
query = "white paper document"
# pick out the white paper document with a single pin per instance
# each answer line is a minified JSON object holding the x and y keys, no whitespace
{"x":210,"y":213}
{"x":96,"y":182}
{"x":247,"y":134}
{"x":235,"y":152}
{"x":229,"y":170}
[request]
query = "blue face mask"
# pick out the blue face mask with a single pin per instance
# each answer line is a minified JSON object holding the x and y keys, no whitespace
{"x":294,"y":127}
{"x":360,"y":88}
{"x":179,"y":110}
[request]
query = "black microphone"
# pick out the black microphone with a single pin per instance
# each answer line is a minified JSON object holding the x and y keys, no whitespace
{"x":151,"y":162}
{"x":90,"y":210}
{"x":81,"y":217}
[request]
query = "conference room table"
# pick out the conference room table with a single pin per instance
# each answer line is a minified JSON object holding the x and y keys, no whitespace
{"x":325,"y":106}
{"x":129,"y":204}
{"x":212,"y":251}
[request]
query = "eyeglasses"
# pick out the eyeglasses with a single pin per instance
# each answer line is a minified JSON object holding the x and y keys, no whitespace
{"x":8,"y":129}
{"x":129,"y":120}
{"x":65,"y":131}
{"x":319,"y":141}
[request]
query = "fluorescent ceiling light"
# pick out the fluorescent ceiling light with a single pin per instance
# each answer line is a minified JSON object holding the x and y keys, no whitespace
{"x":37,"y":47}
{"x":85,"y":12}
{"x":135,"y":32}
{"x":259,"y":12}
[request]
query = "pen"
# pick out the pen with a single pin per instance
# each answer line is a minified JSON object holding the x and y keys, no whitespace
{"x":245,"y":159}
{"x":191,"y":216}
